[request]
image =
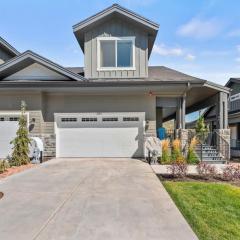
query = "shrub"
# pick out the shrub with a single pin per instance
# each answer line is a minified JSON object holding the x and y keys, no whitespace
{"x":3,"y":165}
{"x":231,"y":172}
{"x":192,"y":157}
{"x":201,"y":129}
{"x":178,"y":168}
{"x":165,"y":152}
{"x":176,"y":150}
{"x":206,"y":170}
{"x":21,"y":142}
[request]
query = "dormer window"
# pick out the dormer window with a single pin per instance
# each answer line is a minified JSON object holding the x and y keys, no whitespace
{"x":116,"y":53}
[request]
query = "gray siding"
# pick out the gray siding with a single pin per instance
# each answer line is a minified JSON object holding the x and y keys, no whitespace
{"x":116,"y":28}
{"x":42,"y":107}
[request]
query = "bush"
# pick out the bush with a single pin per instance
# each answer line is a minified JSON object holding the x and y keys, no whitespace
{"x":206,"y":170}
{"x":176,"y":150}
{"x":21,"y":142}
{"x":165,"y":159}
{"x":231,"y":173}
{"x":178,"y":168}
{"x":3,"y":165}
{"x":192,"y":157}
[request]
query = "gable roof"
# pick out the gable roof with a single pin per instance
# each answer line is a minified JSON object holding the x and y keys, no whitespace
{"x":80,"y":28}
{"x":232,"y":80}
{"x":9,"y":48}
{"x":27,"y":58}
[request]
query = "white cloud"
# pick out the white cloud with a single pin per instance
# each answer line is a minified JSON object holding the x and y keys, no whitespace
{"x":163,"y":50}
{"x":190,"y":57}
{"x":199,"y":28}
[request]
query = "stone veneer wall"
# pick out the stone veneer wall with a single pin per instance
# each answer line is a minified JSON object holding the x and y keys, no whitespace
{"x":49,"y":144}
{"x":223,"y":142}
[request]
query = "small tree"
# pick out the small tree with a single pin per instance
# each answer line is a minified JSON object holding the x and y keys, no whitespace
{"x":201,"y":128}
{"x":21,"y":142}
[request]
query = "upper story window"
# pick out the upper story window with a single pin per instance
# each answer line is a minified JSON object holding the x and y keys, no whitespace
{"x":116,"y":53}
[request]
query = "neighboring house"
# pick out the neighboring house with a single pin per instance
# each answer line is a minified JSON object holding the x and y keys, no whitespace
{"x":108,"y":107}
{"x":233,"y":115}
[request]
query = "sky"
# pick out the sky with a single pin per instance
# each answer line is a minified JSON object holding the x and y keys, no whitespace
{"x":197,"y":37}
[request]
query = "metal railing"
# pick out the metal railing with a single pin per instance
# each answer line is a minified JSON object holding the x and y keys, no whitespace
{"x":223,"y":146}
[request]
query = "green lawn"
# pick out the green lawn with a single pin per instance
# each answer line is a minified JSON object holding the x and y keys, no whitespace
{"x":212,"y":209}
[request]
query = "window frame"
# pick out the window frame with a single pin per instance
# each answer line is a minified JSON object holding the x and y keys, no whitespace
{"x":99,"y":39}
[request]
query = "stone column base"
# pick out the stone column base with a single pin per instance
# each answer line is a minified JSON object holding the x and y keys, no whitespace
{"x":49,"y":144}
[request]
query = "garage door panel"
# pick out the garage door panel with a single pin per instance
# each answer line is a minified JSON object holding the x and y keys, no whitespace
{"x":100,"y":139}
{"x":8,"y":133}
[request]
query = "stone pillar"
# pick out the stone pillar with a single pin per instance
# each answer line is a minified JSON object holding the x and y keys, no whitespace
{"x":222,"y":110}
{"x":223,"y":142}
{"x":49,"y":144}
{"x":183,"y":136}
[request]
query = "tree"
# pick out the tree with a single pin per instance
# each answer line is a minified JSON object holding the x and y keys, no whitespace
{"x":201,"y":128}
{"x":21,"y":142}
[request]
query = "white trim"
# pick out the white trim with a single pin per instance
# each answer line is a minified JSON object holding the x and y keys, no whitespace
{"x":16,"y":113}
{"x":99,"y":68}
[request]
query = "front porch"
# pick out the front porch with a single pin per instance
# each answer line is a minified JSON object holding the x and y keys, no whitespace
{"x":193,"y":99}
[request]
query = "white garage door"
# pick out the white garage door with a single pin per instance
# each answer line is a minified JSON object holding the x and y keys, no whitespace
{"x":99,"y":135}
{"x":8,"y":129}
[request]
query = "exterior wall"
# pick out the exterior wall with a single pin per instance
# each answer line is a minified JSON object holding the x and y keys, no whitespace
{"x":41,"y":108}
{"x":235,"y":88}
{"x":116,"y":28}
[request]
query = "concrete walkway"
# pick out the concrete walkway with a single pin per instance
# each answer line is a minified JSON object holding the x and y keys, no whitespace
{"x":97,"y":199}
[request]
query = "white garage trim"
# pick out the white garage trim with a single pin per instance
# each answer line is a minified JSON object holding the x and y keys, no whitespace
{"x":110,"y":134}
{"x":8,"y":128}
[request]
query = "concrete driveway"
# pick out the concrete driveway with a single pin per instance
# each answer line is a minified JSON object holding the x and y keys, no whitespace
{"x":100,"y":199}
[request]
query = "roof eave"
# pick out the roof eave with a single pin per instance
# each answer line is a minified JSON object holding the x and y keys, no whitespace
{"x":9,"y":47}
{"x":217,"y":87}
{"x":119,"y":9}
{"x":41,"y":60}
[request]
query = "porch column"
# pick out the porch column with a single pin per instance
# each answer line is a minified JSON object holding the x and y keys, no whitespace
{"x":181,"y":113}
{"x":178,"y":115}
{"x":159,"y":115}
{"x":183,"y":110}
{"x":222,"y":110}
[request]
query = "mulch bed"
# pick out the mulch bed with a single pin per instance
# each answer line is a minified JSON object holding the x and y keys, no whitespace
{"x":196,"y":178}
{"x":14,"y":170}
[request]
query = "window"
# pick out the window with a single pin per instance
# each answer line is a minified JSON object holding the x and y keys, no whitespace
{"x":68,"y":119}
{"x":13,"y":119}
{"x":116,"y":53}
{"x":113,"y":119}
{"x":2,"y":119}
{"x":130,"y":119}
{"x":89,"y":119}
